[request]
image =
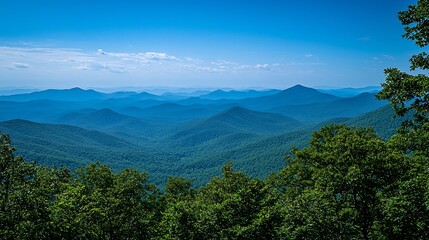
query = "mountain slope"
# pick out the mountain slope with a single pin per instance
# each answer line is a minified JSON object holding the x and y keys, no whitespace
{"x":73,"y":147}
{"x":345,"y":107}
{"x":381,"y":119}
{"x":174,"y":111}
{"x":111,"y":122}
{"x":296,"y":95}
{"x":256,"y":122}
{"x":37,"y":110}
{"x":226,"y":130}
{"x":258,"y":156}
{"x":71,"y":144}
{"x":101,"y":118}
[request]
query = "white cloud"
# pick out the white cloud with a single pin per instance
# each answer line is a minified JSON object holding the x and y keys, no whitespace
{"x":308,"y":55}
{"x":65,"y":58}
{"x":159,"y":56}
{"x":224,"y":63}
{"x":19,"y":66}
{"x":15,"y":65}
{"x":101,"y":52}
{"x":199,"y":68}
{"x":66,"y":61}
{"x":138,"y":57}
{"x":228,"y":66}
{"x":102,"y":67}
{"x":263,"y":66}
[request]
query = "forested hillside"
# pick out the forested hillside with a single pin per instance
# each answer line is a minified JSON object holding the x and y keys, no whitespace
{"x":348,"y":183}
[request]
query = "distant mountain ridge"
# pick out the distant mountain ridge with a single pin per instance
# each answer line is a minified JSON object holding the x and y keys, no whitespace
{"x":232,"y":94}
{"x":296,"y":95}
{"x":14,"y":91}
{"x":343,"y":107}
{"x":73,"y":94}
{"x":350,"y":92}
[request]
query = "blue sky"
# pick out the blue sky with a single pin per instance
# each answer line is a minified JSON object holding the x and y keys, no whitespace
{"x":200,"y":44}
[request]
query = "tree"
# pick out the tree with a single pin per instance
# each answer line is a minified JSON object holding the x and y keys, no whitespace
{"x":406,"y":211}
{"x":178,"y":188}
{"x":410,"y":93}
{"x":136,"y":209}
{"x":99,"y":204}
{"x":234,"y":206}
{"x":16,"y":177}
{"x":332,"y":189}
{"x":26,"y":191}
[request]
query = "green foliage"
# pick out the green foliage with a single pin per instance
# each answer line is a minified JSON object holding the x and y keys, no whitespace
{"x":26,"y":192}
{"x":416,"y":21}
{"x":409,"y":92}
{"x":405,"y":210}
{"x":101,"y":205}
{"x":230,"y":207}
{"x":333,"y":187}
{"x":16,"y":180}
{"x":178,"y":188}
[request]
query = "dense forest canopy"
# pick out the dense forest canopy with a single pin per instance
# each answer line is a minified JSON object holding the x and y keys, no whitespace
{"x":347,"y":184}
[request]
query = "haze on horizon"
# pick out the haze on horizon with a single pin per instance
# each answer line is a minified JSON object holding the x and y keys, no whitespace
{"x":200,"y":44}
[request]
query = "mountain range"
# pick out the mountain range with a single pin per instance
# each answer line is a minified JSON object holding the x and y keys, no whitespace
{"x":190,"y":136}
